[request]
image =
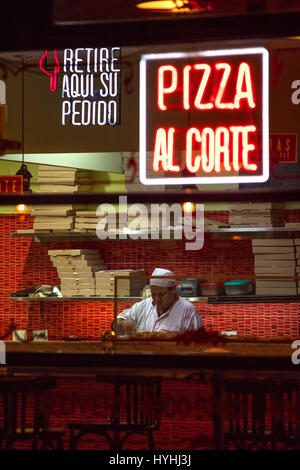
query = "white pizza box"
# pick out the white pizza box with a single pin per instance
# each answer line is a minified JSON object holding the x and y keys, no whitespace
{"x":268,"y":242}
{"x":274,"y":256}
{"x":276,"y":290}
{"x":272,"y":249}
{"x":73,"y":252}
{"x":275,"y":263}
{"x":270,"y":270}
{"x":274,"y":283}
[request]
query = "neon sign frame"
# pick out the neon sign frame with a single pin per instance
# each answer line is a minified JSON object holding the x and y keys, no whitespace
{"x":145,"y":59}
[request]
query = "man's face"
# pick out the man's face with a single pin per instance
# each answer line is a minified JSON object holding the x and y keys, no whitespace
{"x":163,"y":297}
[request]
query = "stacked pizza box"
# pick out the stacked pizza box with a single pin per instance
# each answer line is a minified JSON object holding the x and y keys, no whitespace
{"x":275,"y":257}
{"x":297,"y":253}
{"x":88,"y":221}
{"x":54,"y":218}
{"x":256,"y":214}
{"x":293,"y":225}
{"x":76,"y":269}
{"x":85,"y":221}
{"x":132,"y":286}
{"x":56,"y":179}
{"x":63,"y":179}
{"x":211,"y":223}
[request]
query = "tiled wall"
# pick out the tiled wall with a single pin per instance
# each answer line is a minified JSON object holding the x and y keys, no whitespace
{"x":24,"y":263}
{"x":186,"y":406}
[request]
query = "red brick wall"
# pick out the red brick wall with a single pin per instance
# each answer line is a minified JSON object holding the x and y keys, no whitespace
{"x":24,"y":263}
{"x":186,"y":422}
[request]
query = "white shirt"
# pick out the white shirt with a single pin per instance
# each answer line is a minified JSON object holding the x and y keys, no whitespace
{"x":181,"y":316}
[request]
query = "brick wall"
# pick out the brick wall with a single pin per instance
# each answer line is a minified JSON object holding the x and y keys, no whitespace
{"x":186,"y":422}
{"x":24,"y":263}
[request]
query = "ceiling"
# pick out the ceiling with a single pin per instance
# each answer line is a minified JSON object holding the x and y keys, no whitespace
{"x":68,"y":12}
{"x":27,"y":28}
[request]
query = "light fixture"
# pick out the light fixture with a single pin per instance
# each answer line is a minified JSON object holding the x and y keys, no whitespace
{"x":180,"y":6}
{"x":188,"y":188}
{"x":188,"y":207}
{"x":162,"y":5}
{"x":21,"y":209}
{"x":24,"y":170}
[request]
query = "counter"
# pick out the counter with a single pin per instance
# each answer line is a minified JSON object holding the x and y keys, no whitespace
{"x":165,"y":357}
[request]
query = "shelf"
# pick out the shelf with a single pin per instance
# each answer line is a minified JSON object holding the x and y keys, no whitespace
{"x":224,"y":299}
{"x":253,"y":229}
{"x":72,"y":299}
{"x":255,"y":232}
{"x":57,"y":236}
{"x":94,"y":298}
{"x":253,"y":299}
{"x":83,"y":236}
{"x":227,"y":233}
{"x":79,"y":236}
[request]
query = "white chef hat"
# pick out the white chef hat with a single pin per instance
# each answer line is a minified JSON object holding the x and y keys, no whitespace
{"x":168,"y":282}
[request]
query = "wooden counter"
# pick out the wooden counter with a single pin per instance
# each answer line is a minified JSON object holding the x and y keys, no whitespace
{"x":232,"y":348}
{"x":165,"y":357}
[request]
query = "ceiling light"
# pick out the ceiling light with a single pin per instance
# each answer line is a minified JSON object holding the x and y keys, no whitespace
{"x":180,"y":6}
{"x":162,"y":4}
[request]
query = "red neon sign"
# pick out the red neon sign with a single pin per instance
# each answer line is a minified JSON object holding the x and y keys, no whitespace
{"x":243,"y":89}
{"x":53,"y":76}
{"x":210,"y":112}
{"x":216,"y":147}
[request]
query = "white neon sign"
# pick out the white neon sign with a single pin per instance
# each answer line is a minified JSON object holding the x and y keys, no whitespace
{"x":90,"y":74}
{"x":90,"y":83}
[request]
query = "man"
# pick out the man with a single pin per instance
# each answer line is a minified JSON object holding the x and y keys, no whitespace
{"x":165,"y":311}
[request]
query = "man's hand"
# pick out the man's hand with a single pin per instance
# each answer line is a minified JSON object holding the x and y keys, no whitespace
{"x":124,"y":327}
{"x":119,"y":326}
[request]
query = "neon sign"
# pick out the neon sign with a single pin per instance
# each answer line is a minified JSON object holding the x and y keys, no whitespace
{"x":90,"y":85}
{"x":53,"y":76}
{"x":204,"y":113}
{"x":11,"y":184}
